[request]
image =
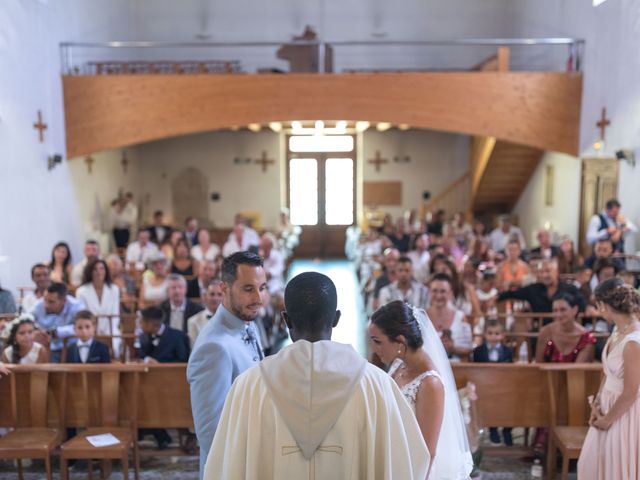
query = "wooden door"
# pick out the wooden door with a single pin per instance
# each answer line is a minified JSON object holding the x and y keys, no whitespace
{"x":599,"y":184}
{"x":321,"y":198}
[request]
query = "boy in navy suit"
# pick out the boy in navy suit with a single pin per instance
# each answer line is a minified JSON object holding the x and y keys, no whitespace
{"x":494,"y":350}
{"x":159,"y":343}
{"x":87,"y":349}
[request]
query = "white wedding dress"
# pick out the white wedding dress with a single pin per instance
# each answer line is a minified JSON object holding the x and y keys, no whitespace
{"x":410,"y":390}
{"x":453,"y":459}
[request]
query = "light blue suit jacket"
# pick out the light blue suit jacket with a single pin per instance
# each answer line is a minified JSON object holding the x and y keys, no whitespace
{"x":219,"y":355}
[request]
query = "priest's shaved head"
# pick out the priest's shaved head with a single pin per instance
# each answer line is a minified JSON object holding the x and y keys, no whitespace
{"x":310,"y":302}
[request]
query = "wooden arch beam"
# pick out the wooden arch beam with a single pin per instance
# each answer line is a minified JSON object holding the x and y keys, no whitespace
{"x":112,"y":111}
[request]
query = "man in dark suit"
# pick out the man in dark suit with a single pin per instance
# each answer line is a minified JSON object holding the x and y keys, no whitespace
{"x":539,"y":294}
{"x":177,"y":309}
{"x":87,"y":349}
{"x":158,"y":232}
{"x":546,"y":249}
{"x":191,"y":231}
{"x":159,"y":343}
{"x":494,"y":350}
{"x":196,"y":287}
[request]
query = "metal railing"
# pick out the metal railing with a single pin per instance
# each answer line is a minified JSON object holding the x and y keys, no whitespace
{"x":463,"y":54}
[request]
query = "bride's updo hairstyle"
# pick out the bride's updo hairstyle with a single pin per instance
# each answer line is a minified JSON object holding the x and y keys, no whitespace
{"x":619,"y":296}
{"x":396,"y":318}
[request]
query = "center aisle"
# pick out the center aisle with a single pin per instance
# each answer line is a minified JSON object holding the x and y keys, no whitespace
{"x":352,"y":326}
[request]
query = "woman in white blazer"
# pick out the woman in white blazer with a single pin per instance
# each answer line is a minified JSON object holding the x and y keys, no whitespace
{"x":102,"y":298}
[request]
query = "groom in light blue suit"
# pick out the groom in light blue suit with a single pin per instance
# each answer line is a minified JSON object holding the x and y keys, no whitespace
{"x":227,"y":345}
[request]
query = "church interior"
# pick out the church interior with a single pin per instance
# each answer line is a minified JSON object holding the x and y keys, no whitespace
{"x":383,"y":144}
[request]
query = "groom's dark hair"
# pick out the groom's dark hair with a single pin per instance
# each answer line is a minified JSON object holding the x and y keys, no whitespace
{"x":230,"y":264}
{"x":310,"y":300}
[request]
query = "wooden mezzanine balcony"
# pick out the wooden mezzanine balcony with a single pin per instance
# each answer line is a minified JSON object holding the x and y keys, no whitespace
{"x":118,"y":104}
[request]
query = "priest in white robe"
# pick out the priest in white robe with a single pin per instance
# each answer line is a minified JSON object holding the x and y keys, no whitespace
{"x":316,"y":409}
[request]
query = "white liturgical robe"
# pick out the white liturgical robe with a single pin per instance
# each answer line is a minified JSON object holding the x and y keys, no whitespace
{"x":316,"y":410}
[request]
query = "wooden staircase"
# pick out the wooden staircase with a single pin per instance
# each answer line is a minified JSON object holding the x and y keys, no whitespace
{"x":500,"y":172}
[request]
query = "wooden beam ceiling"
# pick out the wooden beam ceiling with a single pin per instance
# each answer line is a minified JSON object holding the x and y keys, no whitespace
{"x":537,"y":109}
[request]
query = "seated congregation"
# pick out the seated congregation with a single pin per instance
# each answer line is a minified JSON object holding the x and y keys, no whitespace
{"x":440,"y":296}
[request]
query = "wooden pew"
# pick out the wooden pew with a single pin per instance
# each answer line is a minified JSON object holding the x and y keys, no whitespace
{"x":164,"y":389}
{"x":518,"y":395}
{"x":510,"y":395}
{"x":164,"y":400}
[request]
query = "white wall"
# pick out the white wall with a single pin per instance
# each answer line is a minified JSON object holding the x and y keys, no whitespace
{"x":611,"y":69}
{"x":241,"y":187}
{"x":95,"y":190}
{"x":39,"y":206}
{"x":437,"y":159}
{"x":277,"y":20}
{"x":563,"y":216}
{"x":335,"y":20}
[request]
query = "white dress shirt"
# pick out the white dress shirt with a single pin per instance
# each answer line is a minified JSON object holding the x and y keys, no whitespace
{"x":29,"y":301}
{"x":196,"y":323}
{"x":420,"y":262}
{"x":83,"y":349}
{"x":137,"y":253}
{"x":417,"y":294}
{"x":177,"y":315}
{"x":77,"y":272}
{"x":274,"y":266}
{"x":211,"y":253}
{"x":498,"y":239}
{"x":232,"y":246}
{"x":460,"y":333}
{"x":594,"y":233}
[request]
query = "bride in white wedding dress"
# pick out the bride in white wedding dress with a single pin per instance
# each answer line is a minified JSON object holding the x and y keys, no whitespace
{"x":405,"y":339}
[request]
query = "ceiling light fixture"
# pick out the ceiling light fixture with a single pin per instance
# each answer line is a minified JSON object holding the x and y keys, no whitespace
{"x":361,"y":126}
{"x":275,"y":126}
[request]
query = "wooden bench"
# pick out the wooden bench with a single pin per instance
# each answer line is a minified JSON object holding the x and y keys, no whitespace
{"x":509,"y":395}
{"x":164,"y":399}
{"x":519,"y":395}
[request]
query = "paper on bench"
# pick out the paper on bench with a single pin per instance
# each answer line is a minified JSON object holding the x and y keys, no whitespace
{"x":104,"y":440}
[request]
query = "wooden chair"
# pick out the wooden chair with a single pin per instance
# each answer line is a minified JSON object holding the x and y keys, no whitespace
{"x":37,"y":440}
{"x":109,"y":421}
{"x":571,"y":383}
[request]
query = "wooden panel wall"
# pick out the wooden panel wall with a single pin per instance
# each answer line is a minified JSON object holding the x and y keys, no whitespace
{"x":382,"y":193}
{"x":531,"y":108}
